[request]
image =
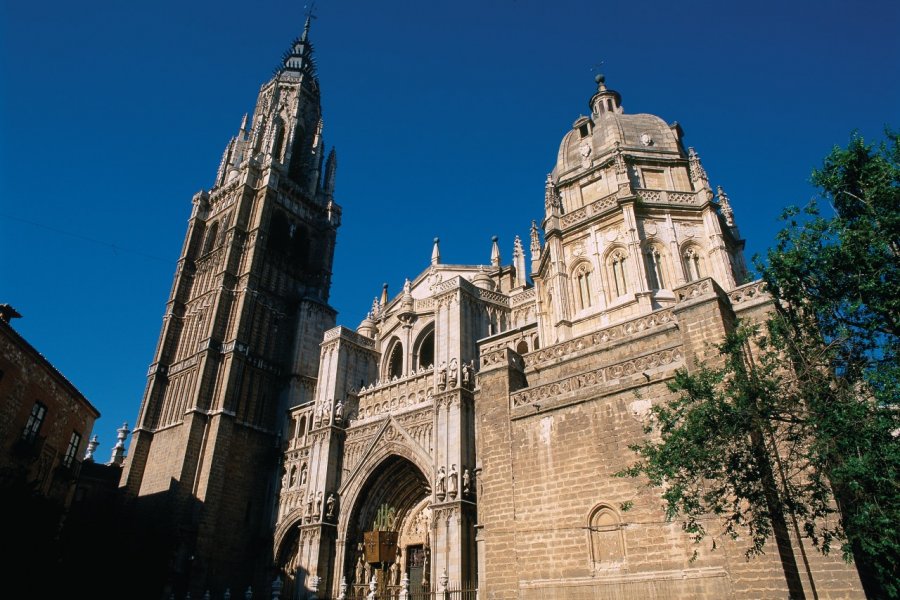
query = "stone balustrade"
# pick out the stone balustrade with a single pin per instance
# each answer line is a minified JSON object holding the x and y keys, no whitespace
{"x":389,"y":396}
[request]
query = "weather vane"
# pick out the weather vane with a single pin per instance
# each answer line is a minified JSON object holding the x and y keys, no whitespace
{"x":309,"y":8}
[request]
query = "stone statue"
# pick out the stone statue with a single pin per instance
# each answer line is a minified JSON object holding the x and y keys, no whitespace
{"x":453,"y":486}
{"x":452,"y":375}
{"x":317,"y":416}
{"x":442,"y":376}
{"x":440,"y":486}
{"x":466,"y":375}
{"x":393,"y":573}
{"x":360,"y":571}
{"x":467,"y":482}
{"x":318,"y":505}
{"x":373,"y":588}
{"x":309,"y":507}
{"x":367,"y":569}
{"x":406,"y":286}
{"x":326,"y":412}
{"x":339,"y":413}
{"x":330,"y":506}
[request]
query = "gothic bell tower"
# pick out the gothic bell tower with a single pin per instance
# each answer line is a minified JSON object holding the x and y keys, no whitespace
{"x":239,"y":344}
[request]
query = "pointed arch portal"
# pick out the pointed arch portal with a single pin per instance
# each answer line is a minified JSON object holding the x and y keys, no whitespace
{"x":398,"y":487}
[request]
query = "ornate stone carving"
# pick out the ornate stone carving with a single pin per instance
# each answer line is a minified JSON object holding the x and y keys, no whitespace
{"x":440,"y":484}
{"x":596,"y":377}
{"x":692,"y":290}
{"x":697,"y":172}
{"x":585,"y":151}
{"x":442,"y":376}
{"x":574,"y":346}
{"x":452,"y":373}
{"x":331,"y":508}
{"x":552,"y":201}
{"x":748,"y":292}
{"x":453,"y":482}
{"x":574,"y":217}
{"x":467,"y":381}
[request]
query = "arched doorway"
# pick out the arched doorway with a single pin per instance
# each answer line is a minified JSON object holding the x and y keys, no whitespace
{"x":395,"y":496}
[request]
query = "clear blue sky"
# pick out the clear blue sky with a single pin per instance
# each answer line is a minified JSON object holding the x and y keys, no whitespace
{"x":446,"y":117}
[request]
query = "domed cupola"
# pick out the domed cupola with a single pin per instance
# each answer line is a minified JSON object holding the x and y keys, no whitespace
{"x":605,"y":101}
{"x":367,"y":327}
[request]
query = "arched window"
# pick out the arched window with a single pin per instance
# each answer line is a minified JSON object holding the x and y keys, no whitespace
{"x":693,"y":267}
{"x":395,"y":361}
{"x":210,"y":241}
{"x":581,"y":279}
{"x":278,"y":141}
{"x":301,"y":428}
{"x":607,"y":542}
{"x":425,"y":349}
{"x":655,"y":270}
{"x":618,"y":273}
{"x":522,"y":347}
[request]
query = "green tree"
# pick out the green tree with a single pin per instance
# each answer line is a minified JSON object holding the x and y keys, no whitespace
{"x":797,"y":427}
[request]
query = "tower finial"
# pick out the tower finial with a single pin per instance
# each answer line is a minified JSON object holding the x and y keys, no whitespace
{"x":495,"y":252}
{"x":310,"y":15}
{"x":436,"y":252}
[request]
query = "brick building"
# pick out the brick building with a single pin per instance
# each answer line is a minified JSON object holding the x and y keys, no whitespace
{"x":478,"y":416}
{"x":44,"y":424}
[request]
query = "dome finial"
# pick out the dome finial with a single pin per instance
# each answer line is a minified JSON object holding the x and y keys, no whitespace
{"x":436,"y":252}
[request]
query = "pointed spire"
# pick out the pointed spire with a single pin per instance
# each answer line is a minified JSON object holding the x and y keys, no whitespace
{"x":495,"y":252}
{"x":535,"y":247}
{"x":725,"y":206}
{"x":384,"y":296}
{"x":330,"y":172}
{"x":306,"y":25}
{"x":697,"y":172}
{"x":519,"y":262}
{"x":299,"y":58}
{"x":436,"y":252}
{"x":552,"y":202}
{"x":244,"y":123}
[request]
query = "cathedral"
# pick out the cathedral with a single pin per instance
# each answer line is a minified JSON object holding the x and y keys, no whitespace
{"x":463,"y":439}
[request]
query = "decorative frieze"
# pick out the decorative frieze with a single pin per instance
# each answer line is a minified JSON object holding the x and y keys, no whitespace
{"x":387,"y":396}
{"x":492,"y":297}
{"x":596,"y":377}
{"x":570,"y":348}
{"x":667,"y":197}
{"x":693,"y":290}
{"x":576,"y":216}
{"x":748,"y":292}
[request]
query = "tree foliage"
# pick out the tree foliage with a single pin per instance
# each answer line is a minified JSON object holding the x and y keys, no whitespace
{"x":796,"y":429}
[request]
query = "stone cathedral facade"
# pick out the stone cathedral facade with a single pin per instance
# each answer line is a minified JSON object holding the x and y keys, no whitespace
{"x":479,"y":415}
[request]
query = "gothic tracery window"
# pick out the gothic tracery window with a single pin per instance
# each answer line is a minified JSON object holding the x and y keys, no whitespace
{"x":655,"y":273}
{"x":618,"y":270}
{"x":693,"y":267}
{"x":395,"y":362}
{"x":582,"y":282}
